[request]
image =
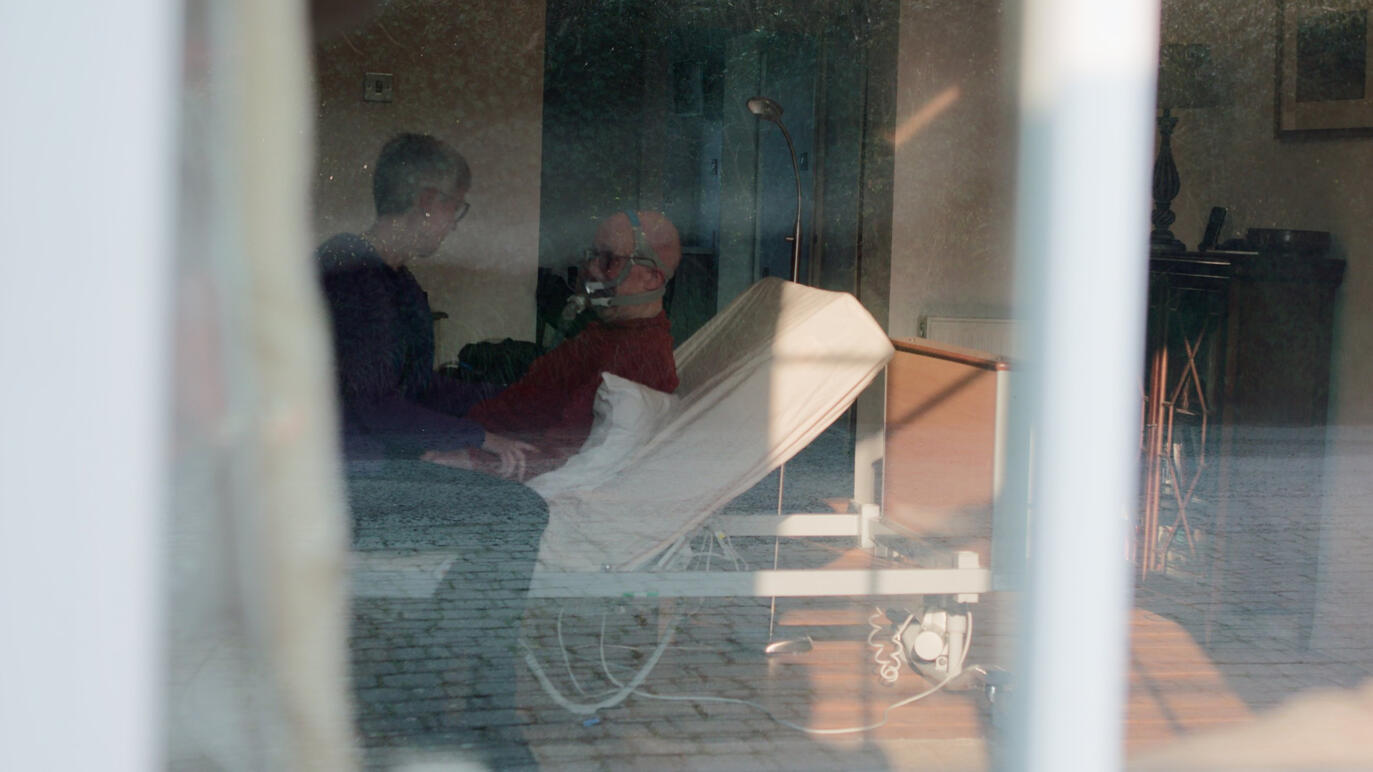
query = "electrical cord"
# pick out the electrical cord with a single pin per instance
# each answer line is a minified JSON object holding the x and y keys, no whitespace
{"x":791,"y":725}
{"x":888,"y":668}
{"x":767,"y":712}
{"x":611,"y":698}
{"x":615,"y":698}
{"x":567,"y":662}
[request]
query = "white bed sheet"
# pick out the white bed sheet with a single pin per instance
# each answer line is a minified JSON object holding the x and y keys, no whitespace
{"x":757,"y":384}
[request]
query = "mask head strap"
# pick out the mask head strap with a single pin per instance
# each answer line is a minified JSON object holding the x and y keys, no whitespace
{"x":642,"y":248}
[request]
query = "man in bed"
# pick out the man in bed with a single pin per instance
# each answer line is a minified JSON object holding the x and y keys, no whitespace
{"x":633,"y":256}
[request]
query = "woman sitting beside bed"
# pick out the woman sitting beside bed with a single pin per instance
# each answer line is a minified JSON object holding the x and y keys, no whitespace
{"x":394,"y":409}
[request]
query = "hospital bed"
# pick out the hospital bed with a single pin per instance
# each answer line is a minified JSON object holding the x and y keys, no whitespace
{"x":636,"y":513}
{"x":759,"y":383}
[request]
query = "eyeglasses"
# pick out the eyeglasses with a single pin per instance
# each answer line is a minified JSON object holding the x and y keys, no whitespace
{"x":610,"y":263}
{"x":450,"y":198}
{"x":601,"y":259}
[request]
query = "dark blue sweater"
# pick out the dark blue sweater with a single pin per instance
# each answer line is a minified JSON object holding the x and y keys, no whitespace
{"x":392,"y":402}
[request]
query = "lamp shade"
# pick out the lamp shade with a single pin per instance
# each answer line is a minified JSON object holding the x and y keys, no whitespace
{"x":1186,"y":76}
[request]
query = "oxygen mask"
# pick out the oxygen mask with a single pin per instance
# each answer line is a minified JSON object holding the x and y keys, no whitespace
{"x":603,"y":271}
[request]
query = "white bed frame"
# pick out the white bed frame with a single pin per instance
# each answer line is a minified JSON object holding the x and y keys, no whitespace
{"x":963,"y":577}
{"x":941,"y":579}
{"x":955,"y":573}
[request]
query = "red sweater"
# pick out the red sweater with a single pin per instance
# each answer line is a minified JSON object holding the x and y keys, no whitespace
{"x":551,"y":406}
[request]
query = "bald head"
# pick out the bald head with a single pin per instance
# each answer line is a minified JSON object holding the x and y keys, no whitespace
{"x":636,"y":278}
{"x":615,"y":234}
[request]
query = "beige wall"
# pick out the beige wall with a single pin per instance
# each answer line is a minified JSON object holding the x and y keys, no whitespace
{"x":1228,"y":156}
{"x":469,"y":73}
{"x":954,"y":187}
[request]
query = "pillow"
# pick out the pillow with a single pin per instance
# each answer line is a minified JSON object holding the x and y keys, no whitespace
{"x":627,"y":414}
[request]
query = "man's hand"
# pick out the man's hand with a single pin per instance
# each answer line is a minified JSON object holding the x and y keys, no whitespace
{"x":512,"y":454}
{"x":508,"y":457}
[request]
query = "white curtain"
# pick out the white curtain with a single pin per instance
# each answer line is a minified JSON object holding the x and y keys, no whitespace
{"x":257,"y":631}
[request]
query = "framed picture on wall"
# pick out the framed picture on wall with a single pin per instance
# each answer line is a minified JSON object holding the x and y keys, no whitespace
{"x":1324,"y":81}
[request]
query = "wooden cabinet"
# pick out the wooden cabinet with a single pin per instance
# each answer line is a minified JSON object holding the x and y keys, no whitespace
{"x":1235,"y":403}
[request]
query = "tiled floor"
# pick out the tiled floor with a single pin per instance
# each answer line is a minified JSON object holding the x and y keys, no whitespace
{"x":1195,"y":665}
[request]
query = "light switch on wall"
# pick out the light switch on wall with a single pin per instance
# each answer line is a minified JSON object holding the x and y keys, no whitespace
{"x":377,"y":87}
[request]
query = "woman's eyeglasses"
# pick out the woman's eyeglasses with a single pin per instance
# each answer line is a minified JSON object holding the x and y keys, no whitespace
{"x":462,"y":207}
{"x":462,"y":212}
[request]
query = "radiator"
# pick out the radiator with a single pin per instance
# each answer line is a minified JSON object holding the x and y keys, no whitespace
{"x":994,"y":336}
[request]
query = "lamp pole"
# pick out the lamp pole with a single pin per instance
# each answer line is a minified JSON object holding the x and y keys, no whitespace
{"x":769,"y":110}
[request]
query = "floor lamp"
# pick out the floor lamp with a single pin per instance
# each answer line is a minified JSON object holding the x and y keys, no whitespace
{"x":770,"y":111}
